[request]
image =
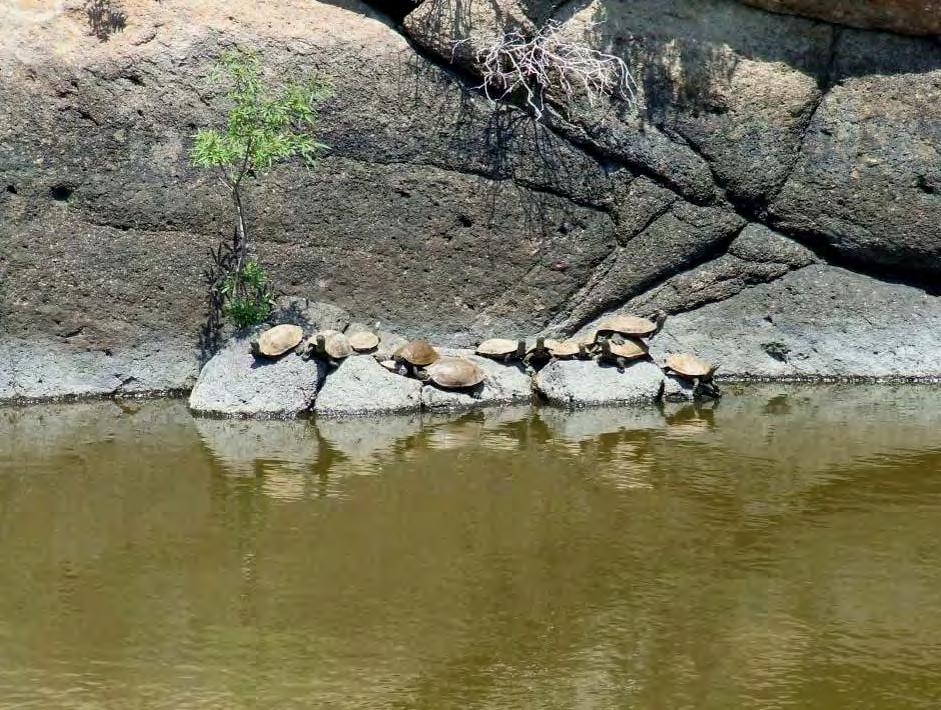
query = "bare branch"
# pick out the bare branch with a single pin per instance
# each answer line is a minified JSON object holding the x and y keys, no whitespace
{"x":544,"y":62}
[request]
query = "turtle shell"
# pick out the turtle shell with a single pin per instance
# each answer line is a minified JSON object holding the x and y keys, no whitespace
{"x":629,"y":350}
{"x":628,"y":325}
{"x":278,"y":340}
{"x":498,"y":347}
{"x":455,"y":373}
{"x":688,"y":365}
{"x":563,"y":348}
{"x":417,"y":352}
{"x":364,"y":341}
{"x":336,"y":345}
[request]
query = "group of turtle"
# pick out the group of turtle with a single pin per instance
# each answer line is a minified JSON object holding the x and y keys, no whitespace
{"x":619,"y":340}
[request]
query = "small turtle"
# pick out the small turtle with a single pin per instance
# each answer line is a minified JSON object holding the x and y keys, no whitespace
{"x":414,"y":356}
{"x":502,"y":349}
{"x":364,"y":341}
{"x":566,"y":349}
{"x":632,"y":326}
{"x":538,"y":356}
{"x":328,"y":344}
{"x":690,"y":367}
{"x":623,"y":353}
{"x":277,"y":341}
{"x":455,"y":373}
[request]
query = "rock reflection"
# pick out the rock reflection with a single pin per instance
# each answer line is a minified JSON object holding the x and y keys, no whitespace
{"x":253,"y":448}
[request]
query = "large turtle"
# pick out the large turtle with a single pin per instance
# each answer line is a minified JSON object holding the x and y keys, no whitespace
{"x":632,"y":326}
{"x":502,"y":349}
{"x":454,"y":373}
{"x":699,"y":372}
{"x":277,"y":341}
{"x":624,"y":353}
{"x":414,"y":356}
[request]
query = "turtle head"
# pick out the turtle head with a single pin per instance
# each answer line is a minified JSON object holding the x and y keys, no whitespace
{"x":521,"y":349}
{"x":540,"y":343}
{"x":321,"y":344}
{"x":659,"y":317}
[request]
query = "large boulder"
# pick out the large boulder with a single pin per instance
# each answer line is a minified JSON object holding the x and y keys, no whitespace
{"x":236,"y":383}
{"x":361,"y":386}
{"x":576,"y":383}
{"x":818,"y":321}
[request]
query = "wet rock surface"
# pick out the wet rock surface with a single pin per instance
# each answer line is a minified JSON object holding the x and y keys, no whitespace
{"x":236,"y":383}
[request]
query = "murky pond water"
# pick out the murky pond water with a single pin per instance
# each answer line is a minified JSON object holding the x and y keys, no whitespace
{"x":780,"y":549}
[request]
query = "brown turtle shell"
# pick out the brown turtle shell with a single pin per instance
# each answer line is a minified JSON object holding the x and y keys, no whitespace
{"x":687,"y":365}
{"x":336,"y":345}
{"x":628,"y":325}
{"x":497,"y":347}
{"x":364,"y":341}
{"x":278,"y":340}
{"x":629,"y":350}
{"x":563,"y":348}
{"x":455,"y":373}
{"x":417,"y":352}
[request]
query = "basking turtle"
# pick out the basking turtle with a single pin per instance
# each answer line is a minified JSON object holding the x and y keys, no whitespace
{"x":690,"y":367}
{"x":622,"y":354}
{"x":277,"y":341}
{"x":364,"y":341}
{"x":502,"y":349}
{"x":566,"y":349}
{"x":632,"y":326}
{"x":328,"y":344}
{"x":415,"y":355}
{"x":455,"y":373}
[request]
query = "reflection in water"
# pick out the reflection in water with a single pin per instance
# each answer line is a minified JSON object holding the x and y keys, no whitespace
{"x":774,"y":549}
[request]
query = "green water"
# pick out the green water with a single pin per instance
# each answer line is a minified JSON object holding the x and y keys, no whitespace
{"x":778,"y":550}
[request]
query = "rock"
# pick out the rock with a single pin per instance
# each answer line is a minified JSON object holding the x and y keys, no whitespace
{"x":576,"y":383}
{"x":388,"y":344}
{"x":310,"y":315}
{"x":505,"y":384}
{"x":867,"y":180}
{"x":361,"y":386}
{"x":677,"y":389}
{"x":759,"y":244}
{"x":819,"y":321}
{"x":235,"y":383}
{"x":917,"y":17}
{"x":679,"y":239}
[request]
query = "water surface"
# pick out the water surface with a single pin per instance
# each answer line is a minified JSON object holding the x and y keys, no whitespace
{"x":777,"y":550}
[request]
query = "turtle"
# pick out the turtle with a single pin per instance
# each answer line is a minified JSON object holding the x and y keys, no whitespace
{"x":502,"y":349}
{"x":547,"y":349}
{"x":364,"y":341}
{"x":414,"y":356}
{"x":632,"y":326}
{"x":690,"y":367}
{"x":328,"y":344}
{"x":454,"y":373}
{"x":277,"y":341}
{"x":622,"y":353}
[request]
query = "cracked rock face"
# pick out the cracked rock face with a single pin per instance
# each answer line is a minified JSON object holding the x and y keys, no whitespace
{"x":767,"y":146}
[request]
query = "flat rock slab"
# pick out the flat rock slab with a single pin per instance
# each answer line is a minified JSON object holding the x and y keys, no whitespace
{"x":361,"y":386}
{"x":235,"y":383}
{"x":577,"y":383}
{"x":504,"y":384}
{"x":819,"y":321}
